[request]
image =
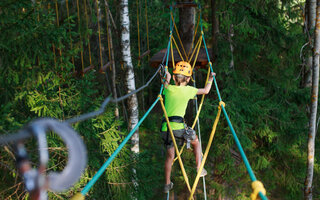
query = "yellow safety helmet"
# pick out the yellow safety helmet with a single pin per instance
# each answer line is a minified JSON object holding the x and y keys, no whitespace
{"x":183,"y":68}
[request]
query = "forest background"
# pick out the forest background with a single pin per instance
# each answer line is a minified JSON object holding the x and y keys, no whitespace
{"x":260,"y":66}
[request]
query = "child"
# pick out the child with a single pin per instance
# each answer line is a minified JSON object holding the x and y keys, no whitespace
{"x":176,"y":100}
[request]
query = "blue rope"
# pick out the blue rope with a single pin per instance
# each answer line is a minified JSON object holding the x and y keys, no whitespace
{"x":112,"y":157}
{"x":168,"y":47}
{"x":243,"y":155}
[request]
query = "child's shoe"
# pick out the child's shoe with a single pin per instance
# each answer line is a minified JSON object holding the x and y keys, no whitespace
{"x":168,"y":187}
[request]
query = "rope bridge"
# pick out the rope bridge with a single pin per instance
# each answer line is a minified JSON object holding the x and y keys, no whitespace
{"x":257,"y":186}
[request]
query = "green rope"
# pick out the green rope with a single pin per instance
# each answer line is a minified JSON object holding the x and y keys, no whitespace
{"x":245,"y":160}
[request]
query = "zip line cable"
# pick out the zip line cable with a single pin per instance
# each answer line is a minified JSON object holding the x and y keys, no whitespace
{"x":109,"y":99}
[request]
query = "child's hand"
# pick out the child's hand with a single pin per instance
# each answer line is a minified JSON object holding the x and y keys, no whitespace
{"x":167,"y":79}
{"x":211,"y":75}
{"x":168,"y":74}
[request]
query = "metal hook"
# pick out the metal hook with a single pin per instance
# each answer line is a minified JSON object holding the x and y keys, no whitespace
{"x":36,"y":180}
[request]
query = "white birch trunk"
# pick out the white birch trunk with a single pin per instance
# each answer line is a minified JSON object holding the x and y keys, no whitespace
{"x":311,"y":4}
{"x":313,"y":105}
{"x":130,"y":83}
{"x":312,"y":14}
{"x":130,"y":80}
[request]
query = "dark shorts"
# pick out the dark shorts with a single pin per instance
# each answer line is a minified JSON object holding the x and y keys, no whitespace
{"x":178,"y":135}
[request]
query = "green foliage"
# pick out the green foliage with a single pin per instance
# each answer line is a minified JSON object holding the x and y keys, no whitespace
{"x":262,"y":95}
{"x":39,"y":82}
{"x":263,"y":98}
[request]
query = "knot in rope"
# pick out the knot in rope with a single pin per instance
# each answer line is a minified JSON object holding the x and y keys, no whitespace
{"x":160,"y":97}
{"x":202,"y":32}
{"x":78,"y":196}
{"x":210,"y":63}
{"x":221,"y":103}
{"x":257,"y":187}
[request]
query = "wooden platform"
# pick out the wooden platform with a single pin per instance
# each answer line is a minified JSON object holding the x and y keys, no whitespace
{"x":202,"y":60}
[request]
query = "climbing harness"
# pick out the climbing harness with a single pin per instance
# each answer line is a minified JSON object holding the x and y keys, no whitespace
{"x":258,"y":189}
{"x":189,"y":136}
{"x":179,"y":134}
{"x":182,"y":135}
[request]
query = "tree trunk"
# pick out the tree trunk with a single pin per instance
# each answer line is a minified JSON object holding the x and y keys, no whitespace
{"x":186,"y":31}
{"x":130,"y":80}
{"x":230,"y":36}
{"x":111,"y":59}
{"x":101,"y":47}
{"x":186,"y":25}
{"x":313,"y":105}
{"x":215,"y":29}
{"x":311,"y":21}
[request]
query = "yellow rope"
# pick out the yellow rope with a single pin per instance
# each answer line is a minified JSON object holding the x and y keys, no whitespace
{"x":195,"y":49}
{"x":57,"y":15}
{"x":81,"y":48}
{"x":198,"y":113}
{"x":38,"y":19}
{"x":138,"y":27}
{"x":194,"y":35}
{"x":180,"y":152}
{"x":57,"y":12}
{"x":214,"y":127}
{"x":54,"y":55}
{"x":53,"y":47}
{"x":173,"y":65}
{"x":257,"y":187}
{"x":100,"y":49}
{"x":69,"y":27}
{"x":147,"y":27}
{"x":184,"y":51}
{"x":78,"y":196}
{"x":87,"y":24}
{"x":202,"y":100}
{"x":108,"y":38}
{"x":196,"y":57}
{"x":175,"y":43}
{"x":175,"y":144}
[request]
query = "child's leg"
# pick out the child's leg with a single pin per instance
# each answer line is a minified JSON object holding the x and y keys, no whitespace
{"x":197,"y":151}
{"x":168,"y":164}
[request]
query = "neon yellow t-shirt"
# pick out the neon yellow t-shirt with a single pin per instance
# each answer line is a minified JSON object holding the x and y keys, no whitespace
{"x":176,"y":102}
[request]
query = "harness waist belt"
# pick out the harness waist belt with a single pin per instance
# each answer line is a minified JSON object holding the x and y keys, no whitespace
{"x":176,"y":119}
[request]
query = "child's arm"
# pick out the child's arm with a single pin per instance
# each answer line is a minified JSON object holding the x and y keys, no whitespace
{"x":207,"y":88}
{"x":168,"y":78}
